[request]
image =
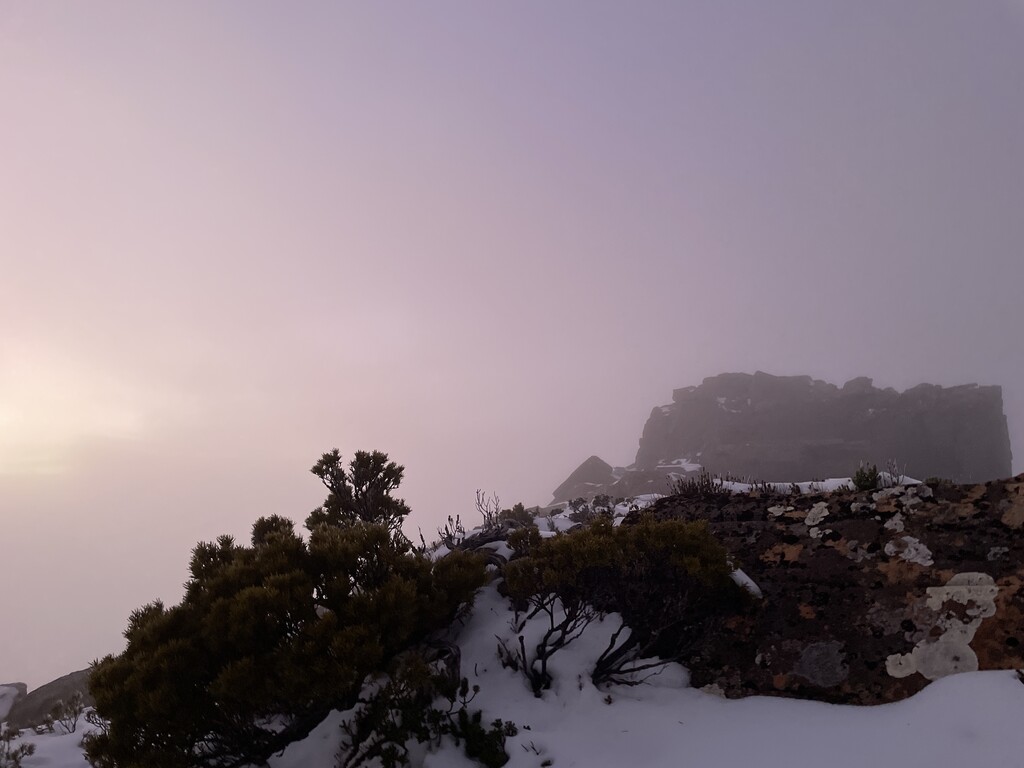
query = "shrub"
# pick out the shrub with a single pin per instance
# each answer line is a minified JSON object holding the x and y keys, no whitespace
{"x":270,"y":637}
{"x":696,"y":486}
{"x":67,"y":713}
{"x":363,"y":493}
{"x":660,"y":576}
{"x":518,"y":514}
{"x":10,"y":755}
{"x":489,"y":508}
{"x":402,"y":708}
{"x":866,"y":477}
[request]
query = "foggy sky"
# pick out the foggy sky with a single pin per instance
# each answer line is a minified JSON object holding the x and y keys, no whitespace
{"x":485,"y":239}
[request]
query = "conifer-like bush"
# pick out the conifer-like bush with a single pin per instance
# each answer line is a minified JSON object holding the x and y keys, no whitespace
{"x":866,"y":477}
{"x":662,"y":577}
{"x":273,"y":635}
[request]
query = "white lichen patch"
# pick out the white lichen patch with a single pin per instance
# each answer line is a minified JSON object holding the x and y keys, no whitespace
{"x":816,"y":514}
{"x":885,"y":493}
{"x":895,"y":523}
{"x":859,"y":506}
{"x":778,"y":511}
{"x":909,"y":499}
{"x":951,"y":651}
{"x":997,"y":553}
{"x":910,"y":549}
{"x":976,"y":591}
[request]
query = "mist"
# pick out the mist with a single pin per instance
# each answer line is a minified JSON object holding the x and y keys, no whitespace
{"x":486,"y":241}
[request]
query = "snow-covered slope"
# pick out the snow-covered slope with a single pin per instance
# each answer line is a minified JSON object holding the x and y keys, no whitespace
{"x":963,"y":720}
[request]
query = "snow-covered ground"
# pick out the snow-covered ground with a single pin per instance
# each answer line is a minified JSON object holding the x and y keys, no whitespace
{"x":973,"y":719}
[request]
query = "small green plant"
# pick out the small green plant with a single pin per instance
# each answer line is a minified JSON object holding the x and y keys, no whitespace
{"x":866,"y":477}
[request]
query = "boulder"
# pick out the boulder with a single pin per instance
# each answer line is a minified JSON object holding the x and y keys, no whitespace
{"x":867,"y":596}
{"x":592,"y":473}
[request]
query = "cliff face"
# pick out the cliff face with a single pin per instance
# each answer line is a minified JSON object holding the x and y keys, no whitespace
{"x":794,"y":428}
{"x":785,"y":428}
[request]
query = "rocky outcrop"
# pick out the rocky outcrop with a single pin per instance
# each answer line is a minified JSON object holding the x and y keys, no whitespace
{"x":10,"y":694}
{"x":867,"y":596}
{"x":792,"y":428}
{"x":32,"y":709}
{"x":592,"y":473}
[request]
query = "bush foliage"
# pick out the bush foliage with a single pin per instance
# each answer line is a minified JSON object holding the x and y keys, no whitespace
{"x":273,"y":635}
{"x":866,"y":477}
{"x":661,"y":577}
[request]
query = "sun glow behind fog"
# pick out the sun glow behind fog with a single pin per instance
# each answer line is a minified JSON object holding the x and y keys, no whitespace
{"x":52,"y":406}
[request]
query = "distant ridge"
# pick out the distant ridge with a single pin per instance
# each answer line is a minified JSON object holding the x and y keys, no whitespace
{"x":784,"y":428}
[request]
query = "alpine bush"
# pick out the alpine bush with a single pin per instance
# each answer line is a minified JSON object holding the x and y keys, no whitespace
{"x":272,"y":635}
{"x":866,"y":477}
{"x":660,"y":576}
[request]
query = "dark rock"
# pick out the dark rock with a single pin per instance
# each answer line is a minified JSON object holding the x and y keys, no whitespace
{"x":33,"y":708}
{"x":592,"y":473}
{"x":867,"y":596}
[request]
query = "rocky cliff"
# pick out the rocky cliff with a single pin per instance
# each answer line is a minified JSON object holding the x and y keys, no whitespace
{"x":30,"y":709}
{"x":788,"y":428}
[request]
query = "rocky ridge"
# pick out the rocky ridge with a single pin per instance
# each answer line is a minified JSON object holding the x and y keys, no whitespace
{"x":781,"y":428}
{"x":867,"y":596}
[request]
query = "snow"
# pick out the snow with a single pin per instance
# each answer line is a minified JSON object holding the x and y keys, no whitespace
{"x":683,"y":464}
{"x":965,"y":719}
{"x":962,"y":720}
{"x":747,"y":583}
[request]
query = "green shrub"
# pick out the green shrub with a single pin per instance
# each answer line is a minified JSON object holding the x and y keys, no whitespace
{"x":518,"y":514}
{"x":270,"y":637}
{"x":866,"y":477}
{"x":363,"y":493}
{"x":660,"y":576}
